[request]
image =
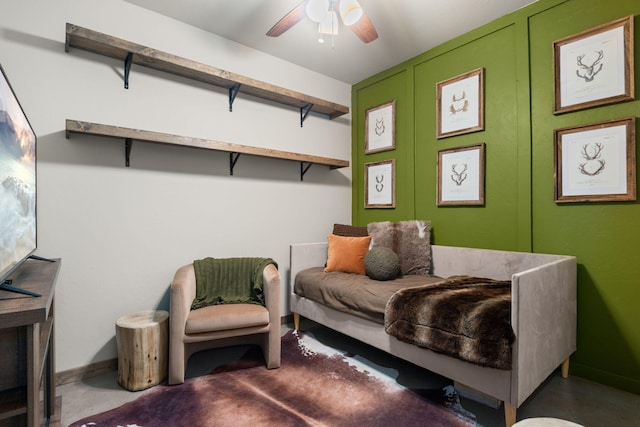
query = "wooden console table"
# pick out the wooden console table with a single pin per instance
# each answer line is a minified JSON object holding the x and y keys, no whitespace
{"x":27,"y":321}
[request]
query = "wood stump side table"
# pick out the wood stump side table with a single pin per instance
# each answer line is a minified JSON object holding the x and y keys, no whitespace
{"x":142,"y":339}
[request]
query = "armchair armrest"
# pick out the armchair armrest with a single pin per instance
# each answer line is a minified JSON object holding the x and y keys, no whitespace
{"x":271,"y":286}
{"x":183,"y":292}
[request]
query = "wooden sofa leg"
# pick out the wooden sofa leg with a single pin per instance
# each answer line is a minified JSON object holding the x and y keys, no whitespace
{"x":296,"y":321}
{"x":509,"y":414}
{"x":565,"y":368}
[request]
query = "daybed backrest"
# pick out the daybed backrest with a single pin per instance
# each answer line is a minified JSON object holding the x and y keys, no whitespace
{"x":500,"y":265}
{"x":306,"y":255}
{"x":446,"y":260}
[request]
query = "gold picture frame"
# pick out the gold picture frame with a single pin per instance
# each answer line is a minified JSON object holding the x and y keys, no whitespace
{"x":461,"y":175}
{"x":460,"y":104}
{"x":596,"y":162}
{"x":380,"y":128}
{"x":380,"y":184}
{"x":594,"y":67}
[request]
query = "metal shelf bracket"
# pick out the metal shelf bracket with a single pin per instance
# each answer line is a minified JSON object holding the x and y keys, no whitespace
{"x":304,"y":112}
{"x":233,"y":92}
{"x":233,"y":158}
{"x":304,"y":167}
{"x":127,"y":68}
{"x":128,"y":143}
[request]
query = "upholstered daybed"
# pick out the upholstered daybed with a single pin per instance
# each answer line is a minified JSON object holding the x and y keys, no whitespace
{"x":543,"y":317}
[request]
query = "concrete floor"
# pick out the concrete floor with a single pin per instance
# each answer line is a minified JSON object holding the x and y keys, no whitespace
{"x":574,"y":399}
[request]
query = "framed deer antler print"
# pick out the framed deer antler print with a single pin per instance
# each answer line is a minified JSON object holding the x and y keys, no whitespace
{"x":460,"y":104}
{"x":380,"y":128}
{"x":379,"y":184}
{"x":594,"y":67}
{"x":461,"y":176}
{"x":596,"y":162}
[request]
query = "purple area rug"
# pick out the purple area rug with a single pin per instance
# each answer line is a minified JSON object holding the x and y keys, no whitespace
{"x":315,"y":386}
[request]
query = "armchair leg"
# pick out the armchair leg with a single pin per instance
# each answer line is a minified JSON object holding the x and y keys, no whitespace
{"x":176,"y":364}
{"x":271,"y":349}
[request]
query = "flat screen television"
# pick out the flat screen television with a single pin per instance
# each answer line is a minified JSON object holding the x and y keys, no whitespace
{"x":17,"y":183}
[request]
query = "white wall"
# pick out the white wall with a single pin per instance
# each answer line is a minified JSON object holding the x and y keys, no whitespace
{"x":122,"y":232}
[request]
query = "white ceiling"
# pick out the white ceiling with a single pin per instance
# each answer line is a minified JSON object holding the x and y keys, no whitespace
{"x":406,"y":28}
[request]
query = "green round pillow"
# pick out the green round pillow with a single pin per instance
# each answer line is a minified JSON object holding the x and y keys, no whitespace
{"x":382,"y":263}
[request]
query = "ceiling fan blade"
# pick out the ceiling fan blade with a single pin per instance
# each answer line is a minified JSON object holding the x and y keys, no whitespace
{"x":288,"y":21}
{"x":364,"y":29}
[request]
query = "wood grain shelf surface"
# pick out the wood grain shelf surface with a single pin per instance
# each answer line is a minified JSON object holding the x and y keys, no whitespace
{"x":103,"y":44}
{"x":17,"y":310}
{"x":88,"y":128}
{"x":13,"y":402}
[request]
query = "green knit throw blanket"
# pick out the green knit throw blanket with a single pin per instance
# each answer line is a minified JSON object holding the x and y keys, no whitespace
{"x":229,"y":281}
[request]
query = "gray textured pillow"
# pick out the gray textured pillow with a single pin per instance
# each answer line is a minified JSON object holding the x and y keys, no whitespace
{"x":382,"y":264}
{"x":382,"y":234}
{"x":413,"y":245}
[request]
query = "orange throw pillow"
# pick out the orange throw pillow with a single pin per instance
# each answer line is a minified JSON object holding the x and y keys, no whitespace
{"x":346,"y":254}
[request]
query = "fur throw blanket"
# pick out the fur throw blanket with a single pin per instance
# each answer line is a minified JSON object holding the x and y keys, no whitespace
{"x":465,"y":317}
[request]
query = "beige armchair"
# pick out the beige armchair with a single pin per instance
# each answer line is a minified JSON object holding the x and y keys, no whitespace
{"x":222,"y":325}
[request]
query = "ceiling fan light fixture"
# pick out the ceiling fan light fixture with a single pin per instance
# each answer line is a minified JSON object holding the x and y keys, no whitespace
{"x":325,"y":13}
{"x":329,"y":25}
{"x":350,"y":11}
{"x":317,"y":10}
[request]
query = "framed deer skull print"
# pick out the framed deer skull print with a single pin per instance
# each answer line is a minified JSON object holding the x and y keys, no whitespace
{"x":380,"y":128}
{"x":594,"y":67}
{"x":596,"y":162}
{"x":379,"y":184}
{"x":461,"y":176}
{"x":460,"y":104}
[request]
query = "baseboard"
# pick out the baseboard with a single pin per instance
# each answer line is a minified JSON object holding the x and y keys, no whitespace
{"x":84,"y":372}
{"x":286,"y":320}
{"x":99,"y":368}
{"x":604,"y":377}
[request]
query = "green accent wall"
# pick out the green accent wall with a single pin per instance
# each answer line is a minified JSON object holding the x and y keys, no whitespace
{"x":519,"y":213}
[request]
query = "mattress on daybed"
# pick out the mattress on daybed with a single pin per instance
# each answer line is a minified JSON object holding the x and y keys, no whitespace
{"x":355,"y":294}
{"x":465,"y":317}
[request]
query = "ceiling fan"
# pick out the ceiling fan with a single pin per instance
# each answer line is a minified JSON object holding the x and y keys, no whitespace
{"x":326,"y":12}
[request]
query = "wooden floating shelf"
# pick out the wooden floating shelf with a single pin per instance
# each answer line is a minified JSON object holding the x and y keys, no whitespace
{"x":128,"y":134}
{"x":129,"y":52}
